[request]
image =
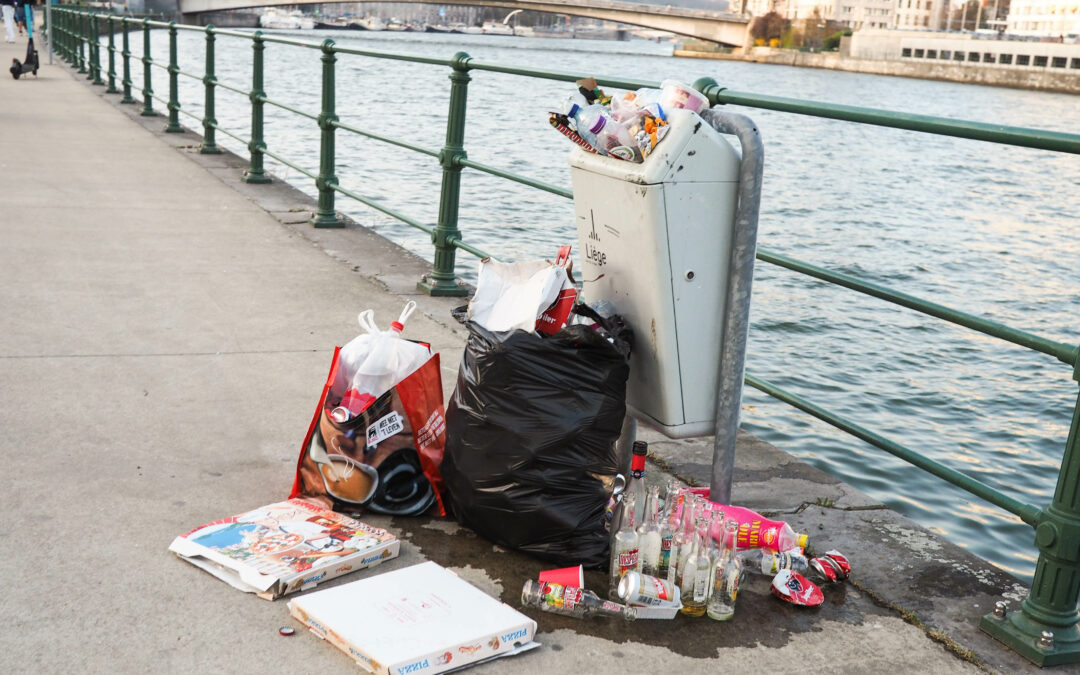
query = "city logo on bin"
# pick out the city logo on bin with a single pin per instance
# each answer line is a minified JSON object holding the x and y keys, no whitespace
{"x":592,"y":234}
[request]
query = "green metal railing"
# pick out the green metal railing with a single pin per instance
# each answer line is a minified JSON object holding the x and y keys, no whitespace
{"x":1045,"y":630}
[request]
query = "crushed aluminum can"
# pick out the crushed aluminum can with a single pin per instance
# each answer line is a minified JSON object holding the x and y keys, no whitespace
{"x":824,"y":568}
{"x":795,"y":588}
{"x":841,"y":561}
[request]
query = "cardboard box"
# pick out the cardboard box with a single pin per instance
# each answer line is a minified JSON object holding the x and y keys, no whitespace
{"x":284,"y":547}
{"x":417,"y":620}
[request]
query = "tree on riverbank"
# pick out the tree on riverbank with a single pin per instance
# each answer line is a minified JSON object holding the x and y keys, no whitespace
{"x":771,"y":26}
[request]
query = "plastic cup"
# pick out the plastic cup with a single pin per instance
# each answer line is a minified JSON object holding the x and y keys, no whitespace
{"x":678,"y":95}
{"x":565,"y":576}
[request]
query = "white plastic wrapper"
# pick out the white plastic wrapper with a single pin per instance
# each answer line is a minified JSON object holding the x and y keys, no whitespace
{"x":512,"y":296}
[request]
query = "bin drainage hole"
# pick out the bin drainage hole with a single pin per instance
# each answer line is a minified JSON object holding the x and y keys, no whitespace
{"x":690,"y":275}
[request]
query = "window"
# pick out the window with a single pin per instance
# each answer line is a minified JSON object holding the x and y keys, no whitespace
{"x":1076,"y":63}
{"x":931,"y":53}
{"x":905,"y":52}
{"x":1040,"y":61}
{"x":919,"y":53}
{"x":926,"y":21}
{"x":1023,"y":60}
{"x":973,"y":56}
{"x":1005,"y":58}
{"x":1058,"y":62}
{"x":988,"y":58}
{"x":958,"y":56}
{"x":946,"y":54}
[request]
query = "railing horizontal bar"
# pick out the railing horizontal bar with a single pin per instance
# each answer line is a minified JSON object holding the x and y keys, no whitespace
{"x":1063,"y":352}
{"x":396,"y":57}
{"x":191,"y":75}
{"x":562,"y":77}
{"x":230,"y":134}
{"x":479,"y":253}
{"x":242,"y":92}
{"x":981,"y":131}
{"x":192,"y":115}
{"x":1028,"y":513}
{"x":388,"y":211}
{"x":289,"y":164}
{"x":156,"y":64}
{"x":385,"y":139}
{"x":291,"y":109}
{"x":287,"y":41}
{"x":517,"y":179}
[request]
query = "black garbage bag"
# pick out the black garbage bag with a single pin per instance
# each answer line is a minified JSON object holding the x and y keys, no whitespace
{"x":530,"y":437}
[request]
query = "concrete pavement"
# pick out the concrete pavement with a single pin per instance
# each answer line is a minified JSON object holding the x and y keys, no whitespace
{"x":166,"y":330}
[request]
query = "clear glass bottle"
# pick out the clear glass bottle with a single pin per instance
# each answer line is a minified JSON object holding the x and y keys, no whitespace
{"x":697,"y":576}
{"x":649,"y":535}
{"x":669,"y":528}
{"x":683,"y":546}
{"x":636,"y":485}
{"x":725,"y":577}
{"x":624,"y":549}
{"x":570,"y":601}
{"x":763,"y":561}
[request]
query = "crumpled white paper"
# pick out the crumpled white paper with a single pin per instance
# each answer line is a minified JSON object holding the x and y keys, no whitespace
{"x":510,"y":296}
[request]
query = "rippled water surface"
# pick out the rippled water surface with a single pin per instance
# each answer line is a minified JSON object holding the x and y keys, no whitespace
{"x":988,"y":229}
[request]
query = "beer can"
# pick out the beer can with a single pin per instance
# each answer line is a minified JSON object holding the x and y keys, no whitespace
{"x":641,"y":589}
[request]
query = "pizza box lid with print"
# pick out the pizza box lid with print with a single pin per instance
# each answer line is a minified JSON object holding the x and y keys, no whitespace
{"x":284,"y":547}
{"x":415,"y":621}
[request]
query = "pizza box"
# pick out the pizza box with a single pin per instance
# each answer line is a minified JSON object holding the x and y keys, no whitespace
{"x":416,"y":620}
{"x":284,"y":547}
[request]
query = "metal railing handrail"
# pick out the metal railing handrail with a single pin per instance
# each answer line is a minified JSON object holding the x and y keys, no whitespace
{"x":1049,"y":606}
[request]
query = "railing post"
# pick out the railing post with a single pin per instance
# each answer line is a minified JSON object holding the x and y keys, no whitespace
{"x":255,"y":172}
{"x":325,"y":216}
{"x":61,"y":34}
{"x":209,"y":147}
{"x":111,"y":89}
{"x":1045,"y":630}
{"x":441,"y":280}
{"x":126,"y":56}
{"x":173,"y":127}
{"x":81,"y":28}
{"x":148,"y":90}
{"x":95,"y":34}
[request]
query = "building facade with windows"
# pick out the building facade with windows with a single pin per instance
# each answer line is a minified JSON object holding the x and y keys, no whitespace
{"x":1044,"y":18}
{"x":855,"y":14}
{"x":920,"y":14}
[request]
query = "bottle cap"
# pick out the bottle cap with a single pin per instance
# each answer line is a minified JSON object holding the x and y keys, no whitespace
{"x":598,"y":124}
{"x":640,"y":448}
{"x":573,"y":111}
{"x":800,"y":540}
{"x":397,"y":326}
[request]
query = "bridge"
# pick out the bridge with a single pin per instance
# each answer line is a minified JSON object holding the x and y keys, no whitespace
{"x":721,"y":27}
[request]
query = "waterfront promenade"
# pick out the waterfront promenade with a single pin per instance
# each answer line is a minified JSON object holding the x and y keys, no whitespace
{"x":166,"y":333}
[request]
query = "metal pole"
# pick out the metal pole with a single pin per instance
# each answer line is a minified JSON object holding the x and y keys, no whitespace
{"x":325,"y":216}
{"x":49,"y":28}
{"x":126,"y":55}
{"x":81,"y":38}
{"x":147,"y":91}
{"x":255,"y":172}
{"x":173,"y":127}
{"x":111,"y":89}
{"x":1045,"y":630}
{"x":441,"y":280}
{"x":209,"y":147}
{"x":96,"y":34}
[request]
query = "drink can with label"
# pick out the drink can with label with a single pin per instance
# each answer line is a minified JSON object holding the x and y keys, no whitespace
{"x":641,"y":589}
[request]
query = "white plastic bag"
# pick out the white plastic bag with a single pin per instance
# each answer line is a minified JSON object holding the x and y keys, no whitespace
{"x":511,"y":296}
{"x":373,"y":362}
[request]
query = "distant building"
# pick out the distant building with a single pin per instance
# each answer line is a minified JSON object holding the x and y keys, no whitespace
{"x":855,"y":14}
{"x":920,"y":15}
{"x":1044,"y":18}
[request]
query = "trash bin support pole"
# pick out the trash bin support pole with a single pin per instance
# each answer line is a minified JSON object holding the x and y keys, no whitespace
{"x":125,"y":55}
{"x":326,"y":216}
{"x":95,"y":33}
{"x":255,"y":172}
{"x":1045,"y":630}
{"x":736,"y":322}
{"x":173,"y":127}
{"x":209,"y":145}
{"x":147,"y":90}
{"x":441,"y":280}
{"x":111,"y":89}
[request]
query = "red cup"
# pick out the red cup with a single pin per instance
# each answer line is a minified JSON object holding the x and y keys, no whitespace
{"x":564,"y":576}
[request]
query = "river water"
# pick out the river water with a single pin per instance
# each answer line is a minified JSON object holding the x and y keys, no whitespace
{"x":985,"y":228}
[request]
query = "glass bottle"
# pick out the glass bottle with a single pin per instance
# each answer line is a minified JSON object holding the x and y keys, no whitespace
{"x":683,"y":544}
{"x":669,"y":528}
{"x":725,"y":577}
{"x":697,"y":575}
{"x":640,"y":450}
{"x":624,"y":550}
{"x":570,"y":601}
{"x":649,"y":535}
